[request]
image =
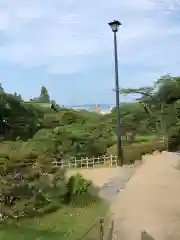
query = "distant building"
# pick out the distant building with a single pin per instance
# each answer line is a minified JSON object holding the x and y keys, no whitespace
{"x":107,"y":111}
{"x":96,"y":109}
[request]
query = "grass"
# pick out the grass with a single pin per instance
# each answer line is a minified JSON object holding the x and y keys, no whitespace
{"x":7,"y":146}
{"x":145,"y":138}
{"x":69,"y":223}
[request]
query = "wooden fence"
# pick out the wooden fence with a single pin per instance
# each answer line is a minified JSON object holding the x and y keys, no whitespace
{"x":101,"y":229}
{"x":72,"y":163}
{"x":93,"y":162}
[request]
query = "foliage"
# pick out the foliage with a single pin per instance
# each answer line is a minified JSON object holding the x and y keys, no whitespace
{"x":71,"y":130}
{"x":1,"y":87}
{"x":44,"y":96}
{"x":30,"y":184}
{"x":174,"y":139}
{"x":68,"y":133}
{"x":33,"y":136}
{"x":135,"y":151}
{"x":160,"y":104}
{"x":80,"y":191}
{"x":30,"y":187}
{"x":17,"y":118}
{"x":68,"y":223}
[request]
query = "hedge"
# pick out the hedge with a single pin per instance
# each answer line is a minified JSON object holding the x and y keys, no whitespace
{"x":135,"y":151}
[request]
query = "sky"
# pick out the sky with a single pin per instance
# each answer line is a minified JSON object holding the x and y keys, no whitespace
{"x":67,"y":46}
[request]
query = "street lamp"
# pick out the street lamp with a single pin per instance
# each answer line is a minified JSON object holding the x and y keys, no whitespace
{"x":115,"y":26}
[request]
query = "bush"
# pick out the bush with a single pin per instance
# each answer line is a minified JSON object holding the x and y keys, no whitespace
{"x":30,"y":187}
{"x":135,"y":151}
{"x":80,"y":191}
{"x":7,"y":147}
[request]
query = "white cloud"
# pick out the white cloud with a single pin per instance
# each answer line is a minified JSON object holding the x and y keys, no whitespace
{"x":65,"y":36}
{"x":4,"y":20}
{"x":168,"y":6}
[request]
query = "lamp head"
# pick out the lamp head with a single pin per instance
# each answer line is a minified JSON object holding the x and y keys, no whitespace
{"x":115,"y":25}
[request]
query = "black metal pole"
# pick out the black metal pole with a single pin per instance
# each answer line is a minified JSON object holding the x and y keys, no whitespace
{"x":118,"y":130}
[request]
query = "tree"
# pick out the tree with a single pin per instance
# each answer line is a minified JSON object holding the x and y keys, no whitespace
{"x":1,"y":88}
{"x":132,"y":116}
{"x":30,"y":184}
{"x":159,"y":103}
{"x":24,"y":119}
{"x":54,"y":105}
{"x":18,"y":96}
{"x":44,"y":96}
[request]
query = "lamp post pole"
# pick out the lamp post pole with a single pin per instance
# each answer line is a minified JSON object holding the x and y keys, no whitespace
{"x":114,"y":25}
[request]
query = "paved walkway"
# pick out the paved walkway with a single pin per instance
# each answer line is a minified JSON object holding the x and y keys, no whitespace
{"x":149,"y":207}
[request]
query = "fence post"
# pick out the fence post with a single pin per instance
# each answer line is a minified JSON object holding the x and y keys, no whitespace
{"x":75,"y":163}
{"x":87,"y":162}
{"x":111,"y":160}
{"x":93,"y":161}
{"x":98,"y":160}
{"x":81,"y":161}
{"x":104,"y":160}
{"x":101,"y":229}
{"x":62,"y":163}
{"x":69,"y":163}
{"x":116,"y":161}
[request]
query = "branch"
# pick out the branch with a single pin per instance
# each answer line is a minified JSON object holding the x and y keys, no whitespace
{"x":145,"y":91}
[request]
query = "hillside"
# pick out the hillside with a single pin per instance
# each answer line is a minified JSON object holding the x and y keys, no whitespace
{"x":35,"y":140}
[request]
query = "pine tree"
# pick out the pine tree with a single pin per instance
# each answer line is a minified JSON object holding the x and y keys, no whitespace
{"x":18,"y":96}
{"x":44,"y":96}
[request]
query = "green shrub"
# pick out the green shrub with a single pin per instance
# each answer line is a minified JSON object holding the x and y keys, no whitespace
{"x":80,"y":191}
{"x":28,"y":191}
{"x":7,"y":147}
{"x":136,"y":150}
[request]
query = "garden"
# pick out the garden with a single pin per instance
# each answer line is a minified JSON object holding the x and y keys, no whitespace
{"x":37,"y":199}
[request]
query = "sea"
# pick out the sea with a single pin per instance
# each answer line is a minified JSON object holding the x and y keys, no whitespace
{"x":90,"y":107}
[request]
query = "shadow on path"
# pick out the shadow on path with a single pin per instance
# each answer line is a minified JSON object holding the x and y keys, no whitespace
{"x":146,"y":236}
{"x":110,"y":190}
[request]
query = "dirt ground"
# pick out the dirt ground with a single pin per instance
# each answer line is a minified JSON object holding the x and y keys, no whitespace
{"x":149,"y":207}
{"x":99,"y":176}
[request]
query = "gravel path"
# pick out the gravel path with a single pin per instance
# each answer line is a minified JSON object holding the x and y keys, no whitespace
{"x":149,"y":207}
